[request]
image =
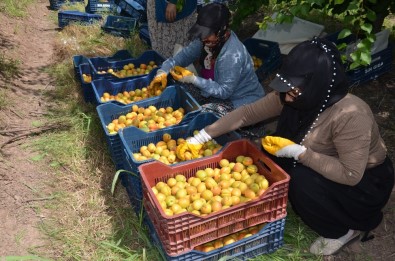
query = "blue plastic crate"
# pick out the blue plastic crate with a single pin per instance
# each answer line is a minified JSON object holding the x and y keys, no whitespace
{"x":144,"y":34}
{"x":268,"y":52}
{"x":80,"y":59}
{"x":175,"y":97}
{"x":100,"y":86}
{"x":67,"y":17}
{"x":95,"y":6}
{"x":381,"y":62}
{"x":132,"y":139}
{"x":86,"y":87}
{"x":134,"y":8}
{"x":119,"y":25}
{"x":77,"y":61}
{"x":56,"y":4}
{"x":266,"y":241}
{"x":99,"y":64}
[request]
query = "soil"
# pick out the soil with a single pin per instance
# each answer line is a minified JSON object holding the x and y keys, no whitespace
{"x":25,"y":184}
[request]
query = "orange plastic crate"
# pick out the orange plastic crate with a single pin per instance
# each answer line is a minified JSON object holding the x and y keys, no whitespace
{"x":184,"y":231}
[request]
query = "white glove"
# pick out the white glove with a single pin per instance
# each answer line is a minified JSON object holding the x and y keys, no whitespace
{"x":291,"y":151}
{"x":193,"y":145}
{"x":182,"y":75}
{"x":200,"y":138}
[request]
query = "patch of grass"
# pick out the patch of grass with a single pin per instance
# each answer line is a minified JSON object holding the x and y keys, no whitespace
{"x":74,"y":6}
{"x":8,"y":67}
{"x":297,"y":240}
{"x":4,"y":101}
{"x":89,"y":41}
{"x":27,"y":258}
{"x":88,"y":223}
{"x":15,"y":8}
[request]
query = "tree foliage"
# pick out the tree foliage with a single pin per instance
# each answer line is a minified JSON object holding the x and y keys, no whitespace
{"x":362,"y":18}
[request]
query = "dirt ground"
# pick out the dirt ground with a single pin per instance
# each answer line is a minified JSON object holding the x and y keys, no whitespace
{"x":25,"y":184}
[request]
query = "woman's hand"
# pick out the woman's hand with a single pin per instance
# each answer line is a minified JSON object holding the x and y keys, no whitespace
{"x":183,"y":75}
{"x":282,"y":147}
{"x":171,"y":12}
{"x":193,"y":145}
{"x":160,"y":78}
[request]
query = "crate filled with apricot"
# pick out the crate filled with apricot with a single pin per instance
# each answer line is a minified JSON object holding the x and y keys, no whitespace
{"x":165,"y":150}
{"x":147,"y":119}
{"x":257,"y":62}
{"x":127,"y":97}
{"x":174,"y":107}
{"x":142,"y":147}
{"x":211,"y":189}
{"x":199,"y":201}
{"x":131,"y":69}
{"x":128,"y":68}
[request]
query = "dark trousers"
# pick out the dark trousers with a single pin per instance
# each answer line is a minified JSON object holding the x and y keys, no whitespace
{"x":331,"y":209}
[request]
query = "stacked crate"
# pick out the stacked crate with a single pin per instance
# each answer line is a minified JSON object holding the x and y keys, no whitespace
{"x":84,"y":72}
{"x":67,"y":17}
{"x":258,"y":223}
{"x":174,"y":97}
{"x":56,"y":4}
{"x":119,"y":25}
{"x":136,"y":9}
{"x":268,"y":52}
{"x":133,"y":139}
{"x":182,"y":236}
{"x":95,"y":66}
{"x":95,"y":6}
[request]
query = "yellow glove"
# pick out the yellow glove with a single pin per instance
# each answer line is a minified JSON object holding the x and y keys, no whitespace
{"x":183,"y":75}
{"x":160,"y":78}
{"x":186,"y":146}
{"x":282,"y":147}
{"x":193,"y":145}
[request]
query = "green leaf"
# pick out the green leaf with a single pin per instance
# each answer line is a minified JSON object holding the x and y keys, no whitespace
{"x":344,"y":33}
{"x":372,"y":1}
{"x":366,"y":58}
{"x":280,"y":18}
{"x":354,"y":56}
{"x":371,"y":15}
{"x":115,"y":179}
{"x":349,"y":20}
{"x":341,"y":46}
{"x":367,"y":27}
{"x":339,"y":2}
{"x":354,"y":65}
{"x":305,"y":9}
{"x":288,"y":18}
{"x":294,"y":10}
{"x":364,"y":45}
{"x":353,"y":7}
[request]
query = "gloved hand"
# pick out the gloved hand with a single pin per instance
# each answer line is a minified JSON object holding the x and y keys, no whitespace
{"x":282,"y":147}
{"x":183,"y":75}
{"x":193,"y":145}
{"x":160,"y":78}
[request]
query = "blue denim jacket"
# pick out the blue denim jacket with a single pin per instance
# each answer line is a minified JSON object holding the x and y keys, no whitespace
{"x":234,"y":73}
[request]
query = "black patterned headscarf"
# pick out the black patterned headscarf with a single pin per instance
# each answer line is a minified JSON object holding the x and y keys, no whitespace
{"x":315,"y":67}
